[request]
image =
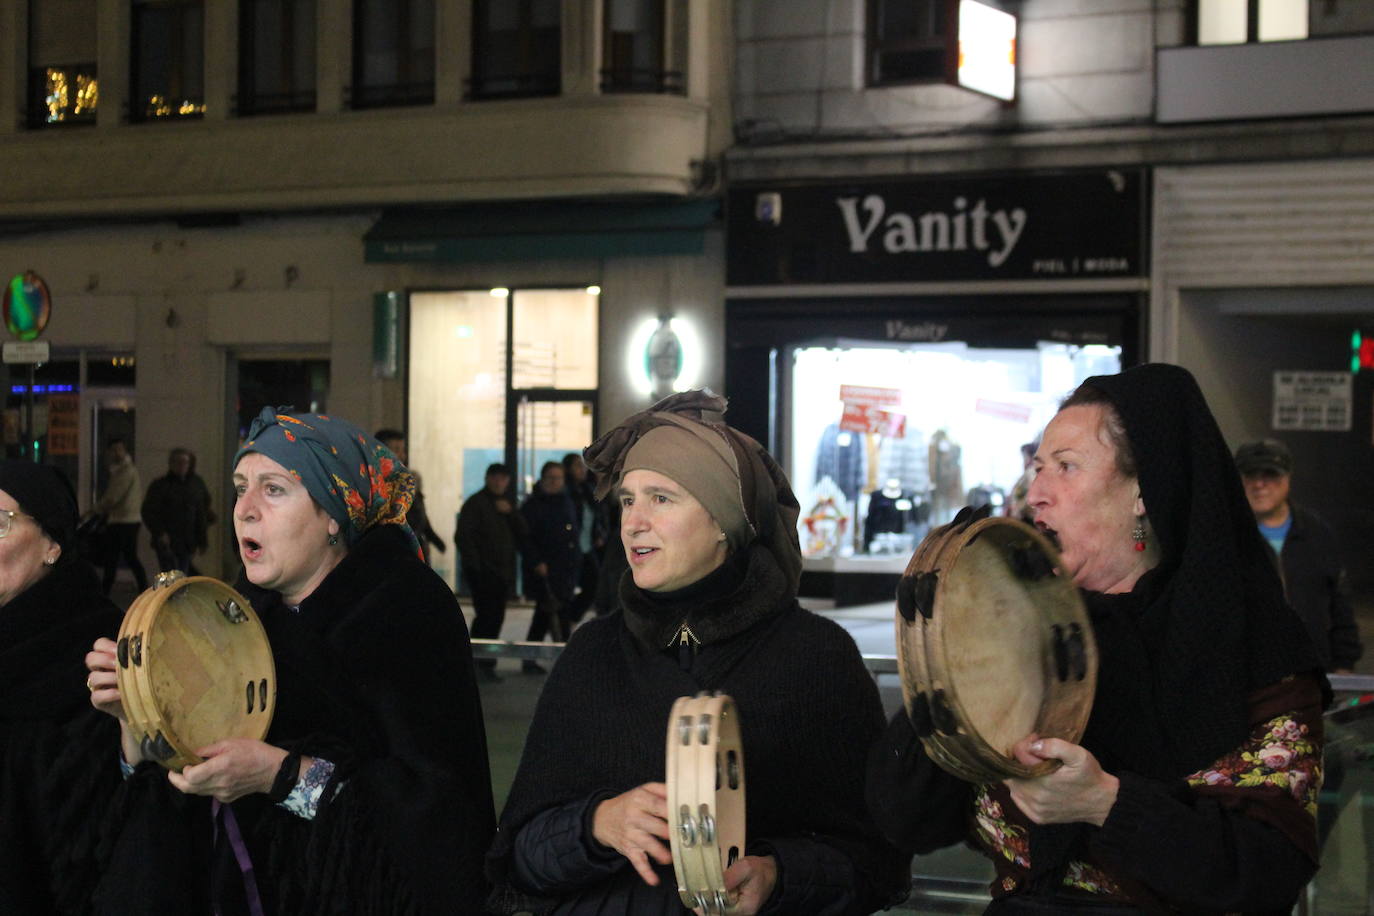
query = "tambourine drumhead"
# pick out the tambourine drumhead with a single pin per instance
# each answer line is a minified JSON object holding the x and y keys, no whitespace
{"x":194,"y":667}
{"x":705,"y":798}
{"x":992,"y":646}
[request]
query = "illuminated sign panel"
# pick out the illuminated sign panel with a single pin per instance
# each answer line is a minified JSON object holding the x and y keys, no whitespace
{"x":987,"y":50}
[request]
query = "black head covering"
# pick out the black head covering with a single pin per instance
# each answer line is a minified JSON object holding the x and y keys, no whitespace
{"x":1212,"y":625}
{"x":1181,"y":653}
{"x":45,"y":493}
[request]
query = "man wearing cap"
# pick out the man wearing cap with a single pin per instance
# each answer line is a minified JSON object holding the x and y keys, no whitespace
{"x":1307,"y":553}
{"x":489,"y":532}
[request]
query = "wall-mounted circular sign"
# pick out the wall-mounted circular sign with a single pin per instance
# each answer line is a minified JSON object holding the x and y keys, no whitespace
{"x":27,"y":306}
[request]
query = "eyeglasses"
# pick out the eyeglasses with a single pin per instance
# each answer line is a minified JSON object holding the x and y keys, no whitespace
{"x":7,"y":519}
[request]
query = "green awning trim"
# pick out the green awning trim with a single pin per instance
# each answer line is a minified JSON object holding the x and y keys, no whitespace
{"x":541,"y":230}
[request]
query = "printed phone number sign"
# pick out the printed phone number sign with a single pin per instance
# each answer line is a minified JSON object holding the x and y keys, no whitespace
{"x":1312,"y":400}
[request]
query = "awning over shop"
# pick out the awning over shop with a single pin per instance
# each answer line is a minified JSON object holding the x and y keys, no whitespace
{"x":541,"y":230}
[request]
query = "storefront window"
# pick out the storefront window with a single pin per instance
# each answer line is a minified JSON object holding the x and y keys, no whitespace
{"x":888,"y":441}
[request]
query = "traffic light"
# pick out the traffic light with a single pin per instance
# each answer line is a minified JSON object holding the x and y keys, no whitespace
{"x":1361,"y":352}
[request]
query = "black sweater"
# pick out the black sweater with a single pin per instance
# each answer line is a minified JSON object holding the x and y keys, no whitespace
{"x":58,"y":770}
{"x":808,"y":711}
{"x":375,"y":675}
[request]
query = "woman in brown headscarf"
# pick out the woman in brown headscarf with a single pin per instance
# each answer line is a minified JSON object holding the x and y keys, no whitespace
{"x":708,"y":523}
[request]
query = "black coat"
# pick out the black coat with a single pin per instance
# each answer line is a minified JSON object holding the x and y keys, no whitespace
{"x":488,"y":539}
{"x":1315,"y":584}
{"x":375,"y":675}
{"x":554,"y":528}
{"x":808,"y":712}
{"x":180,"y":508}
{"x":58,"y":771}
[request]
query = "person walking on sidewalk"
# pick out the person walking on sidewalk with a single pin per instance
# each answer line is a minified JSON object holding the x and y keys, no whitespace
{"x":120,"y":504}
{"x":552,"y":556}
{"x":177,"y":513}
{"x":1306,"y":551}
{"x":488,"y":535}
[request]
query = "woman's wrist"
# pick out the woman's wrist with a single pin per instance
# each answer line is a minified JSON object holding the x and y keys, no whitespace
{"x":284,"y":778}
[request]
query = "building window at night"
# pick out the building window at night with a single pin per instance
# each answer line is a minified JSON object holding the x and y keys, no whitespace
{"x":906,"y":41}
{"x":517,"y":49}
{"x":1234,"y":22}
{"x":62,"y":81}
{"x":645,"y":45}
{"x":276,"y":56}
{"x":393,"y":53}
{"x":168,"y":78}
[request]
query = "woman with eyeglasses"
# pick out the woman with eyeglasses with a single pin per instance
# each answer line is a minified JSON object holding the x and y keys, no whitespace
{"x":55,"y":772}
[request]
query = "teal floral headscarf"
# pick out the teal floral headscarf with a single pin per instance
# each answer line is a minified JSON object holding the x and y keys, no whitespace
{"x":350,"y":475}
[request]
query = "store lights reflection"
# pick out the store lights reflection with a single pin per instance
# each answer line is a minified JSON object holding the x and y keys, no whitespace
{"x":43,"y":389}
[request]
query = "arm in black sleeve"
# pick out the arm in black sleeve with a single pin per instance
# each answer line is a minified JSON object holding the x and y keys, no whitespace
{"x":555,"y":852}
{"x":1194,"y":851}
{"x":917,"y":805}
{"x":1346,"y":648}
{"x":813,"y":877}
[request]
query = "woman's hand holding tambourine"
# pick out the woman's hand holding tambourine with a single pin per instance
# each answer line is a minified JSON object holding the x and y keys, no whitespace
{"x":103,"y":684}
{"x":750,"y":883}
{"x":232,"y":769}
{"x":635,"y":824}
{"x":1079,"y":791}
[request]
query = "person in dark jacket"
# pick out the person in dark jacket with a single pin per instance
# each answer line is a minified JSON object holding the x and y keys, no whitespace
{"x":56,"y":778}
{"x":1308,"y":554}
{"x":489,"y":534}
{"x":371,"y":792}
{"x":708,"y":523}
{"x":592,"y":527}
{"x":1194,"y":787}
{"x":552,"y":556}
{"x":417,"y":518}
{"x":176,"y":510}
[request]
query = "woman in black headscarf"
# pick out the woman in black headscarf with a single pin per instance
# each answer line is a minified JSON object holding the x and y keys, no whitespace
{"x":371,"y":793}
{"x":56,"y":773}
{"x":708,"y":524}
{"x":1196,"y":782}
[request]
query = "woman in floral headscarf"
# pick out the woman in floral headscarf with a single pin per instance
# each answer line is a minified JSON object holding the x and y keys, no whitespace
{"x":371,"y":792}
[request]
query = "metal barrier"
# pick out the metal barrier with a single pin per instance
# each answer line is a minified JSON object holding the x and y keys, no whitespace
{"x":876,"y":664}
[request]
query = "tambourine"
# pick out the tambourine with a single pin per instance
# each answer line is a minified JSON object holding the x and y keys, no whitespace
{"x":193,"y":667}
{"x":992,"y":646}
{"x":705,"y":798}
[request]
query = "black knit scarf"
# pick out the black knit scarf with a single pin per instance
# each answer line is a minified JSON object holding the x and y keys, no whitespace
{"x":1181,"y":654}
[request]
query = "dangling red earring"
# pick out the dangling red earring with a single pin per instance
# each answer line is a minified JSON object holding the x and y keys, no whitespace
{"x":1138,"y":535}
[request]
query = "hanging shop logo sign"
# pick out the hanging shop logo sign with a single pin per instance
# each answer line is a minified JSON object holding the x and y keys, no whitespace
{"x":1055,"y":226}
{"x":27,"y":306}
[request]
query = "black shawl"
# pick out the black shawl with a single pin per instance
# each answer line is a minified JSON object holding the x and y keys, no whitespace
{"x":58,"y":770}
{"x":1180,"y":655}
{"x":375,"y":675}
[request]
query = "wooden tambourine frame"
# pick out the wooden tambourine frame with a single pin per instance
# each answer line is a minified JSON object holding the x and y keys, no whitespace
{"x":193,"y":667}
{"x":992,"y":645}
{"x":705,"y":798}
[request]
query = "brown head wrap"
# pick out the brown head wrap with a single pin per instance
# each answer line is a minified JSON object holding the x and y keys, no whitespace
{"x":729,"y":473}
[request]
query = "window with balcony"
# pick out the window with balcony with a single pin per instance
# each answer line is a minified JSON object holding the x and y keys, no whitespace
{"x":62,"y":80}
{"x":644,"y":46}
{"x":168,"y":72}
{"x":516,"y":48}
{"x":906,"y":41}
{"x":276,"y":56}
{"x":1230,"y":22}
{"x":393,"y":53}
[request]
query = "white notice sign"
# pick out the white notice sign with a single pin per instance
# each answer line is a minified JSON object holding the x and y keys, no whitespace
{"x":28,"y":351}
{"x":1312,"y":400}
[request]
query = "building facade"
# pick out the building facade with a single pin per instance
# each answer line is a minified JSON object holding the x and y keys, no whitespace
{"x":448,"y":215}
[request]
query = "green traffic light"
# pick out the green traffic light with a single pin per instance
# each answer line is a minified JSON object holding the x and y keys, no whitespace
{"x":1355,"y":341}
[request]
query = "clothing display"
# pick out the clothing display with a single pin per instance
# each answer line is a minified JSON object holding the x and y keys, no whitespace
{"x":1207,"y":709}
{"x":58,"y":779}
{"x":843,"y":458}
{"x":375,"y":676}
{"x":891,"y":510}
